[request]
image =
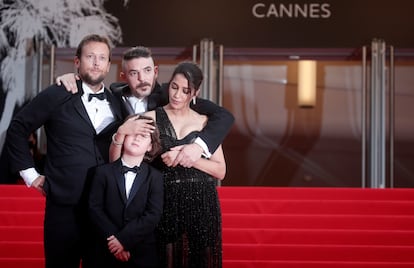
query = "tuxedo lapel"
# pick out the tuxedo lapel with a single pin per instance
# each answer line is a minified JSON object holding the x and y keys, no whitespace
{"x":125,"y":93}
{"x":127,"y":105}
{"x":152,"y":102}
{"x":80,"y":109}
{"x":139,"y":180}
{"x":120,"y":179}
{"x":78,"y":105}
{"x":115,"y":105}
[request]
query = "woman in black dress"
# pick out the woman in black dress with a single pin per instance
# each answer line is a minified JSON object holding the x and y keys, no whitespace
{"x":190,"y":229}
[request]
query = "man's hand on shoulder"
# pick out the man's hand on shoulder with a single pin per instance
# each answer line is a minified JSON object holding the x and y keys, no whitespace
{"x":69,"y":81}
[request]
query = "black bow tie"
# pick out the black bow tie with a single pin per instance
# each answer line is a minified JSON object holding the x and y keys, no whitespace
{"x":100,"y":96}
{"x":125,"y":169}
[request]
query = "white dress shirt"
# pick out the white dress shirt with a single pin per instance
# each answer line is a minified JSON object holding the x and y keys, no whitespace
{"x":140,"y":106}
{"x":129,"y":180}
{"x":99,"y":111}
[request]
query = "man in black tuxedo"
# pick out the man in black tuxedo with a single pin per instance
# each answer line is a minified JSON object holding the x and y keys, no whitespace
{"x":78,"y":129}
{"x":140,"y":92}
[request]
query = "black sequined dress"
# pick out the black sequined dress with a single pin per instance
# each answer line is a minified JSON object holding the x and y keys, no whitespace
{"x":190,"y":229}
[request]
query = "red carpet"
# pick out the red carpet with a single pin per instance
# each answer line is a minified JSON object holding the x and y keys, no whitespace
{"x":21,"y":227}
{"x":262,"y":227}
{"x":317,"y":227}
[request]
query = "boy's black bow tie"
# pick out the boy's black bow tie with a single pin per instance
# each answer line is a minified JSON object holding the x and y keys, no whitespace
{"x":125,"y":169}
{"x":100,"y":96}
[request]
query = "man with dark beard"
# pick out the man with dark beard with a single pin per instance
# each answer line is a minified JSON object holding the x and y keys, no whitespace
{"x":78,"y":129}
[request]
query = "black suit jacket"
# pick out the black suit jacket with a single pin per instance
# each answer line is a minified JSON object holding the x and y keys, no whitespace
{"x":219,"y":119}
{"x":131,"y":220}
{"x":73,"y":147}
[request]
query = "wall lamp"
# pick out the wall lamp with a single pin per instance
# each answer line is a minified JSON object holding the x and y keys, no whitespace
{"x":306,"y":83}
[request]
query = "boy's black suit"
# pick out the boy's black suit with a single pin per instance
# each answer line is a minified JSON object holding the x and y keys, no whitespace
{"x":131,"y":220}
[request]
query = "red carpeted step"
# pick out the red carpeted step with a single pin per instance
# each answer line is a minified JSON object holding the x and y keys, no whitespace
{"x":18,"y":190}
{"x":21,"y":218}
{"x":375,"y":222}
{"x":313,"y":264}
{"x":22,"y":263}
{"x":322,"y":206}
{"x":319,"y":236}
{"x":22,"y":203}
{"x":316,"y":252}
{"x":13,"y":249}
{"x":21,"y":233}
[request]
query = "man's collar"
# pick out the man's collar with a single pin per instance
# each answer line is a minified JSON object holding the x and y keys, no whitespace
{"x":87,"y":89}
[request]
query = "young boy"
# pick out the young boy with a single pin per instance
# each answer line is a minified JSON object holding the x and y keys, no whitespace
{"x":125,"y":205}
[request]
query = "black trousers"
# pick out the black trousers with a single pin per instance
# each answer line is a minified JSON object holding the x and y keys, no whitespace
{"x":66,"y":236}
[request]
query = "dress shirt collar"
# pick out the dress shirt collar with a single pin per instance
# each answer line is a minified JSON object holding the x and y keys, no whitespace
{"x":87,"y":90}
{"x":139,"y":105}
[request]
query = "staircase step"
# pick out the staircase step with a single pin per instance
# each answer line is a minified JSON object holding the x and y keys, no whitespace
{"x":313,"y":264}
{"x":322,"y":206}
{"x":21,"y":233}
{"x":301,"y":221}
{"x":11,"y":190}
{"x":21,"y":203}
{"x":22,"y":262}
{"x":320,"y":236}
{"x":13,"y":249}
{"x":316,"y":252}
{"x":13,"y":218}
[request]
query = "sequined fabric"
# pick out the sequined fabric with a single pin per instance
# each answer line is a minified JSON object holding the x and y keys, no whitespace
{"x":190,"y":229}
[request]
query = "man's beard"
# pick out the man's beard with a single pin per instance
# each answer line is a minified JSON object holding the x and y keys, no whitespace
{"x":143,"y":84}
{"x":93,"y":82}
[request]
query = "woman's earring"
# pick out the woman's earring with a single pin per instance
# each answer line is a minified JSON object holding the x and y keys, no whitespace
{"x":194,"y":100}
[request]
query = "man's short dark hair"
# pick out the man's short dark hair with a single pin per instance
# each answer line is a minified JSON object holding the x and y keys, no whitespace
{"x":137,"y":52}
